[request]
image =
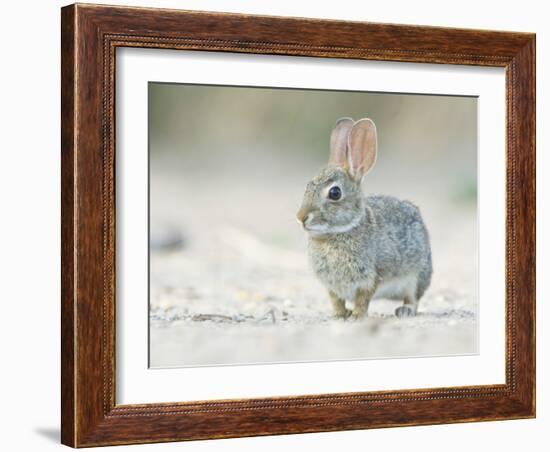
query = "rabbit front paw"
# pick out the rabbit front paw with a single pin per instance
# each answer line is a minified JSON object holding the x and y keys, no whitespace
{"x":342,"y":314}
{"x":357,"y":315}
{"x":404,"y":311}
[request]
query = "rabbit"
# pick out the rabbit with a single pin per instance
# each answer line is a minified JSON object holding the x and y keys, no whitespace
{"x":363,"y":247}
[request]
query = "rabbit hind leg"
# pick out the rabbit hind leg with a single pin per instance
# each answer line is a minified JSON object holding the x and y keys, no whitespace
{"x":410,"y":304}
{"x":408,"y":309}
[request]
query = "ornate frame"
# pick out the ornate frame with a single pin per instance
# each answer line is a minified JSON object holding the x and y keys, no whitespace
{"x":90,"y":34}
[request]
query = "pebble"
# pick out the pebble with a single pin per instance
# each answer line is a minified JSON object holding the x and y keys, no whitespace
{"x":165,"y":238}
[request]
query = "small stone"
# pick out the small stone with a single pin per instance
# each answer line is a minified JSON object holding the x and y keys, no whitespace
{"x":165,"y":238}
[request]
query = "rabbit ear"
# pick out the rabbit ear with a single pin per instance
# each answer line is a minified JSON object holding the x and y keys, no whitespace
{"x":362,"y":145}
{"x":339,"y":143}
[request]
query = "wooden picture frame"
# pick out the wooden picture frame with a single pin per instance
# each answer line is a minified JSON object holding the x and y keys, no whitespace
{"x":90,"y":35}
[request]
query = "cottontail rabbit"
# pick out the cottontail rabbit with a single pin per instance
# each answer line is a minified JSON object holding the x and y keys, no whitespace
{"x":363,"y":247}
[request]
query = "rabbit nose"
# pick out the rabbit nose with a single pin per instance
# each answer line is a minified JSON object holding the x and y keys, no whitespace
{"x":303,"y":215}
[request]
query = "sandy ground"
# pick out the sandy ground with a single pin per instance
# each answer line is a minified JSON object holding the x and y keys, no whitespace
{"x":237,"y":290}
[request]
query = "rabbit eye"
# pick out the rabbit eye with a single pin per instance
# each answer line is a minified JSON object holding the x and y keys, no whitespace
{"x":335,"y":193}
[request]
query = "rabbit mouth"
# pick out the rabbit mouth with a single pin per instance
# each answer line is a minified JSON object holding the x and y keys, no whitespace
{"x":317,"y":229}
{"x":325,"y":228}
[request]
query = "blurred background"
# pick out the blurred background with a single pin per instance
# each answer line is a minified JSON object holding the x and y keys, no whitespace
{"x":229,"y":278}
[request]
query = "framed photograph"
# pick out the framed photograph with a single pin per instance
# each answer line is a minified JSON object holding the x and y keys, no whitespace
{"x":281,"y":225}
